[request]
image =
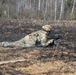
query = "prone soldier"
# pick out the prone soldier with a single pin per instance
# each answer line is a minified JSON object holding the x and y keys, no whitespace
{"x":32,"y":39}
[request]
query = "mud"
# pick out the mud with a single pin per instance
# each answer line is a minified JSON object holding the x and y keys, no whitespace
{"x":52,"y":60}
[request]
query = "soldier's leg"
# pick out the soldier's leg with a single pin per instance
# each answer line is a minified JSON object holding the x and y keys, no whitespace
{"x":7,"y":44}
{"x":18,"y":44}
{"x":23,"y":44}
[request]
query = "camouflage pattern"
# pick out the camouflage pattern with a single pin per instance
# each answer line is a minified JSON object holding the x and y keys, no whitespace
{"x":30,"y":40}
{"x":33,"y":39}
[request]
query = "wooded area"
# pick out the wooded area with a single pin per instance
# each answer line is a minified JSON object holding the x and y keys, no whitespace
{"x":38,"y":9}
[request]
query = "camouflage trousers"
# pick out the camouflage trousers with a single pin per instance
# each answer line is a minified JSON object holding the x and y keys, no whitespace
{"x":17,"y":44}
{"x":12,"y":44}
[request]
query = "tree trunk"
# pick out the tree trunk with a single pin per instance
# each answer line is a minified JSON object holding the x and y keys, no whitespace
{"x":39,"y":5}
{"x":73,"y":7}
{"x":30,"y":3}
{"x":45,"y":10}
{"x":55,"y":9}
{"x":8,"y":9}
{"x":61,"y":10}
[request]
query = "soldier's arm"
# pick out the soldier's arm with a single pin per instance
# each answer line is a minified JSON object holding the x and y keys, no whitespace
{"x":45,"y":43}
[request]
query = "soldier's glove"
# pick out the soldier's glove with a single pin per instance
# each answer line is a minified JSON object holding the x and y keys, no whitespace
{"x":52,"y":42}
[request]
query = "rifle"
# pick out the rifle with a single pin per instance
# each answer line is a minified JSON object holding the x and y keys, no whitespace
{"x":52,"y":36}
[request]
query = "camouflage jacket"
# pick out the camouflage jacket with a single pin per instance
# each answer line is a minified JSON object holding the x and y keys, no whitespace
{"x":35,"y":38}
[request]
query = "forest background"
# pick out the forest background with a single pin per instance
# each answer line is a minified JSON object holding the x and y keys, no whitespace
{"x":38,"y":9}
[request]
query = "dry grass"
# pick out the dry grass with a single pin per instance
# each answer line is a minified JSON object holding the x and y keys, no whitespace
{"x":54,"y":60}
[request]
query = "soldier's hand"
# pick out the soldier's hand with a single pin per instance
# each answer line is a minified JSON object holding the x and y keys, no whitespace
{"x":51,"y":41}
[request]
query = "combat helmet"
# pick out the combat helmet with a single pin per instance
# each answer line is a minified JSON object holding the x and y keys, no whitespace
{"x":47,"y":27}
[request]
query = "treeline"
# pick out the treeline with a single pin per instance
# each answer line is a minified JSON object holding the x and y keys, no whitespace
{"x":38,"y":9}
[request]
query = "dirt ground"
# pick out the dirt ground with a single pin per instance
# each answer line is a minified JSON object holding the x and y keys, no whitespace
{"x":53,"y":60}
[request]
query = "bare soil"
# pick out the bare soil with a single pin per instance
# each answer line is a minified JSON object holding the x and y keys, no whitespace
{"x":52,"y":60}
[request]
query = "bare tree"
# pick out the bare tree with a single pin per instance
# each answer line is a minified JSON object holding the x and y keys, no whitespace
{"x":55,"y":9}
{"x":30,"y":3}
{"x":51,"y":1}
{"x":39,"y":5}
{"x":73,"y":7}
{"x":62,"y":9}
{"x":8,"y":9}
{"x":45,"y":10}
{"x":38,"y":9}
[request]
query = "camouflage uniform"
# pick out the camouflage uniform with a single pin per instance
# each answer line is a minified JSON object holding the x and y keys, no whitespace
{"x":31,"y":39}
